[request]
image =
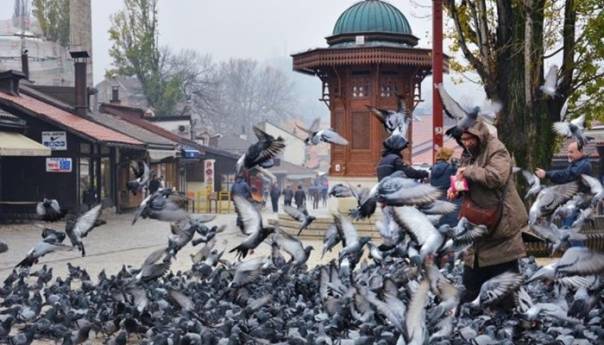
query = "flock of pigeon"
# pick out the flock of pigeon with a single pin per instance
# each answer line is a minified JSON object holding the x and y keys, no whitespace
{"x":391,"y":292}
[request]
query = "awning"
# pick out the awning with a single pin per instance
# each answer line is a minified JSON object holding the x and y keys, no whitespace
{"x":156,"y":155}
{"x":15,"y":144}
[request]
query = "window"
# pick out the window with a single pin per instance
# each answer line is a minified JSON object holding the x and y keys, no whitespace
{"x":360,"y":87}
{"x":360,"y":130}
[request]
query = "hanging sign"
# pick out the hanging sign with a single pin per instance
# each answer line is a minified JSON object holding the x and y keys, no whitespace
{"x":56,"y":141}
{"x":208,"y":173}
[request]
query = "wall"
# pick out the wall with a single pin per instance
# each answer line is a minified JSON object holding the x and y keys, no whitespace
{"x":295,"y":149}
{"x":172,"y":126}
{"x":26,"y":179}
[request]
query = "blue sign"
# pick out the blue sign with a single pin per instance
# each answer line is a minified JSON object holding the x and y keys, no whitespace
{"x":58,"y":165}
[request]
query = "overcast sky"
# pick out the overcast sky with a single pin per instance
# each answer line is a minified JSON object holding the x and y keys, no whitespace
{"x":259,"y":29}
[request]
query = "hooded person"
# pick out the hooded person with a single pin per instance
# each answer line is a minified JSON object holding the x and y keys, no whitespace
{"x":392,"y":160}
{"x":491,"y":197}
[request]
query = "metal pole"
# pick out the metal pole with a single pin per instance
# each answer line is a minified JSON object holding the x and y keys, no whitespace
{"x":437,"y":75}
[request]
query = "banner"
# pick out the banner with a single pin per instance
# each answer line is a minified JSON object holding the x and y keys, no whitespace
{"x":208,"y":173}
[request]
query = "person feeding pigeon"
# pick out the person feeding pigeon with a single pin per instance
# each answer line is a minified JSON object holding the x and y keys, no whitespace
{"x":491,"y":199}
{"x":579,"y":165}
{"x":392,"y":161}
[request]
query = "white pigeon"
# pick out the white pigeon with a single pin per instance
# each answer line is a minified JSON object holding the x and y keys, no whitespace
{"x":551,"y":82}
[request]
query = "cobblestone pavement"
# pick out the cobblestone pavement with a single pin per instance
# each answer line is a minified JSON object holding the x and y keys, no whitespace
{"x":119,"y":243}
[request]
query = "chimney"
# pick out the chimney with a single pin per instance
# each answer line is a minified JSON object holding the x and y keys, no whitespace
{"x":25,"y":63}
{"x":81,"y":89}
{"x":9,"y":82}
{"x":115,"y":94}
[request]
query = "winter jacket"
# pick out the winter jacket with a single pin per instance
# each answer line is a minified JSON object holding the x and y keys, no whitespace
{"x":275,"y":192}
{"x":572,"y":173}
{"x":240,"y":187}
{"x":299,"y":197}
{"x":441,"y":173}
{"x":391,"y":162}
{"x":440,"y":178}
{"x":487,"y":173}
{"x":288,"y":195}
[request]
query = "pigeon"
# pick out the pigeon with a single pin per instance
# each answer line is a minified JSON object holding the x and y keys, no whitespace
{"x":252,"y":225}
{"x":400,"y":191}
{"x":39,"y":250}
{"x":53,"y":236}
{"x":393,"y":120}
{"x":293,"y":246}
{"x":142,"y":176}
{"x":49,"y":210}
{"x":340,"y":190}
{"x":352,"y":243}
{"x":465,"y":119}
{"x":155,"y":265}
{"x":164,"y":205}
{"x":497,"y":288}
{"x":595,"y":188}
{"x":366,"y":202}
{"x":573,"y":129}
{"x":78,"y":228}
{"x":415,"y":323}
{"x":421,"y":230}
{"x":301,"y":216}
{"x":580,"y":261}
{"x":316,"y":136}
{"x":550,"y":83}
{"x":550,"y":198}
{"x":260,"y":153}
{"x":557,"y":237}
{"x":247,"y":271}
{"x":331,"y":239}
{"x":3,"y":247}
{"x":534,"y":184}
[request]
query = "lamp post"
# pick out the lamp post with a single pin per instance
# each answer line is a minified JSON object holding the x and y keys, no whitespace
{"x":437,"y":75}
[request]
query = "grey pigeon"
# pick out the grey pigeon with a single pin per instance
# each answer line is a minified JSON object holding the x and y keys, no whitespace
{"x":164,"y":205}
{"x":580,"y":261}
{"x":39,"y":250}
{"x":293,"y":246}
{"x":261,"y":153}
{"x":78,"y":228}
{"x":497,"y":288}
{"x":550,"y":198}
{"x":142,"y":175}
{"x":301,"y":216}
{"x":316,"y":135}
{"x":252,"y":225}
{"x":534,"y":184}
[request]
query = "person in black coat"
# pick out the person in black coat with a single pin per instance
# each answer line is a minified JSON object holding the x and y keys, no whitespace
{"x":392,"y":161}
{"x":288,"y":195}
{"x":300,"y":197}
{"x":275,"y":194}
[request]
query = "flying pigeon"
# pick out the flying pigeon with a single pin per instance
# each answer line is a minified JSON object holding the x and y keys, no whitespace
{"x":252,"y":225}
{"x":164,"y":205}
{"x":301,"y":216}
{"x":573,"y":129}
{"x":260,"y":153}
{"x":78,"y":228}
{"x":316,"y":135}
{"x":534,"y":184}
{"x":141,"y":178}
{"x":550,"y":83}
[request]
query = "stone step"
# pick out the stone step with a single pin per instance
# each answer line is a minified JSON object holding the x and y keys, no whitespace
{"x":322,"y":225}
{"x":317,"y":232}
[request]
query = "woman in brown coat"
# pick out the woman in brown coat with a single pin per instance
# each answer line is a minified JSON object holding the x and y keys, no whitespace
{"x":488,"y":172}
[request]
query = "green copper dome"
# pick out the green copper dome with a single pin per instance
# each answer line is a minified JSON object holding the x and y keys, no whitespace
{"x":372,"y":16}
